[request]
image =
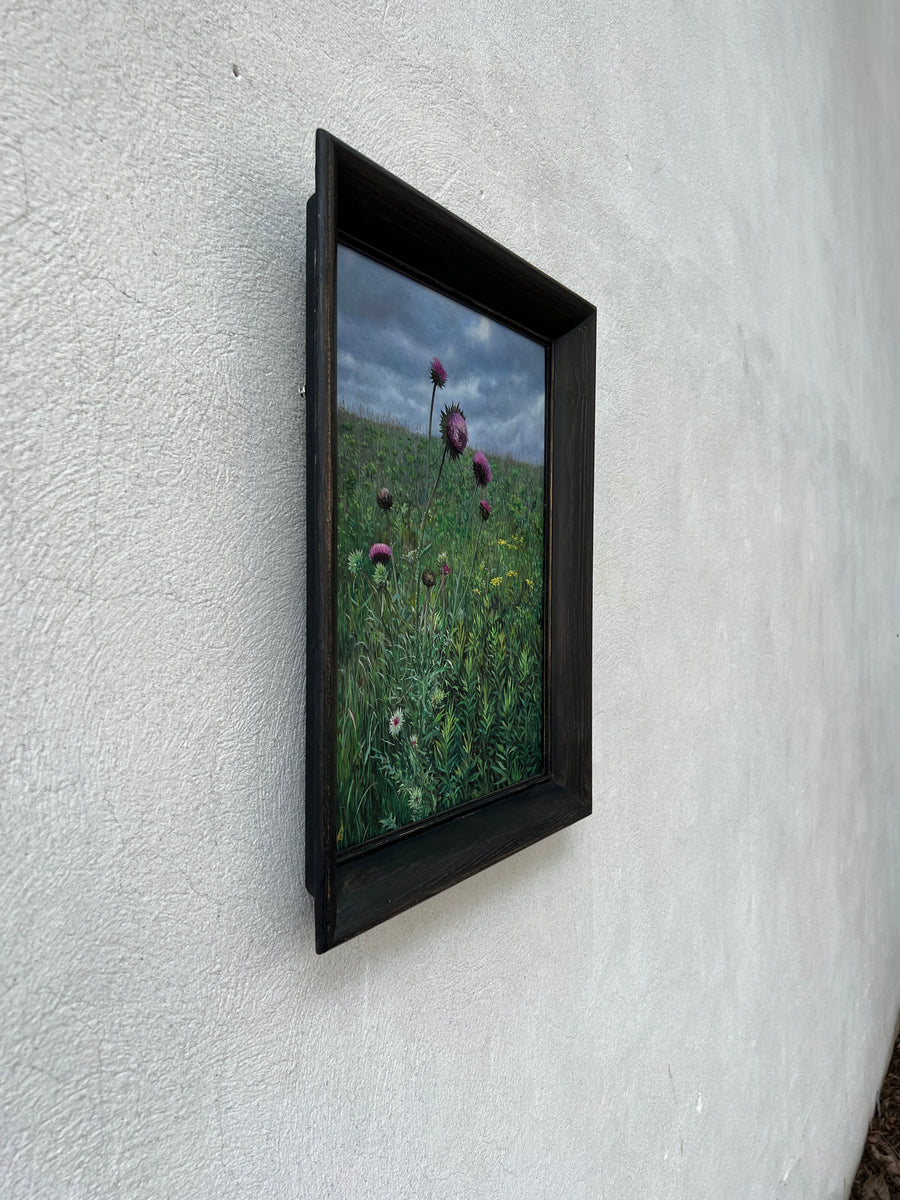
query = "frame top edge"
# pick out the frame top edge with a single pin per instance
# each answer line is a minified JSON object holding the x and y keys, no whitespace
{"x":354,"y":167}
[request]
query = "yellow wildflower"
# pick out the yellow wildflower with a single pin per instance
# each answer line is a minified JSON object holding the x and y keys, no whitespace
{"x":529,"y":582}
{"x":496,"y":581}
{"x":512,"y":574}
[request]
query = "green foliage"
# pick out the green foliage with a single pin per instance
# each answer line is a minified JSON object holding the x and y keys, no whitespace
{"x":461,"y":662}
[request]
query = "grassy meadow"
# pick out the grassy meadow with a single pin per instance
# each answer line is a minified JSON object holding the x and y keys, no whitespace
{"x":439,"y":649}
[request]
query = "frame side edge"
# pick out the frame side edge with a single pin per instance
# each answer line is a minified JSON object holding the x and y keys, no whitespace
{"x":571,"y":557}
{"x":320,"y":489}
{"x":313,"y":789}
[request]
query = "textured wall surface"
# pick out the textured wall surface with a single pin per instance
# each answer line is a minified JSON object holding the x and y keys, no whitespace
{"x":691,"y":995}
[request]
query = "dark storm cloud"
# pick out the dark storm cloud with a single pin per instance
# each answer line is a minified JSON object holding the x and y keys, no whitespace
{"x":389,"y":329}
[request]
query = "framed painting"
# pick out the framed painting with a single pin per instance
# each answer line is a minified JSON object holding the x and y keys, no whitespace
{"x":450,"y":396}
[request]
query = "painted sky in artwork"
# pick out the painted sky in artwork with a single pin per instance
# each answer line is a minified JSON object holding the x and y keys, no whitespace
{"x":388,"y":330}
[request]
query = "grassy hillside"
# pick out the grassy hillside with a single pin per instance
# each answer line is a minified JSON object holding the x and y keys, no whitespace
{"x":439,"y":687}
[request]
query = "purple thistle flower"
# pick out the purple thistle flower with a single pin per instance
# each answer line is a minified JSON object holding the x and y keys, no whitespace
{"x":380,"y":553}
{"x":445,"y":569}
{"x":485,"y":509}
{"x":454,"y":430}
{"x":482,"y":470}
{"x":438,"y":374}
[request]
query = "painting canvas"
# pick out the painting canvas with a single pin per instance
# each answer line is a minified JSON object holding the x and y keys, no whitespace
{"x":440,"y":519}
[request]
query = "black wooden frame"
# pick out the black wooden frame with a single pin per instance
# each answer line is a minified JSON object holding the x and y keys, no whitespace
{"x":361,"y":205}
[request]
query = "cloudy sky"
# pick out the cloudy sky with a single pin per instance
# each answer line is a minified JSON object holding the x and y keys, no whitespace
{"x":388,"y":330}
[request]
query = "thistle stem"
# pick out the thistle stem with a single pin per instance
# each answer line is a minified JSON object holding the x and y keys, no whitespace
{"x":430,"y":498}
{"x":428,"y":448}
{"x":391,"y":544}
{"x":465,"y":545}
{"x":422,"y":526}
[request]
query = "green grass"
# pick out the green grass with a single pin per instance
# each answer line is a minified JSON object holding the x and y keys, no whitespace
{"x":463,"y":660}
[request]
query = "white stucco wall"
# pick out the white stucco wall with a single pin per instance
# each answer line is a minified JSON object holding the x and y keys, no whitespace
{"x":692,"y":994}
